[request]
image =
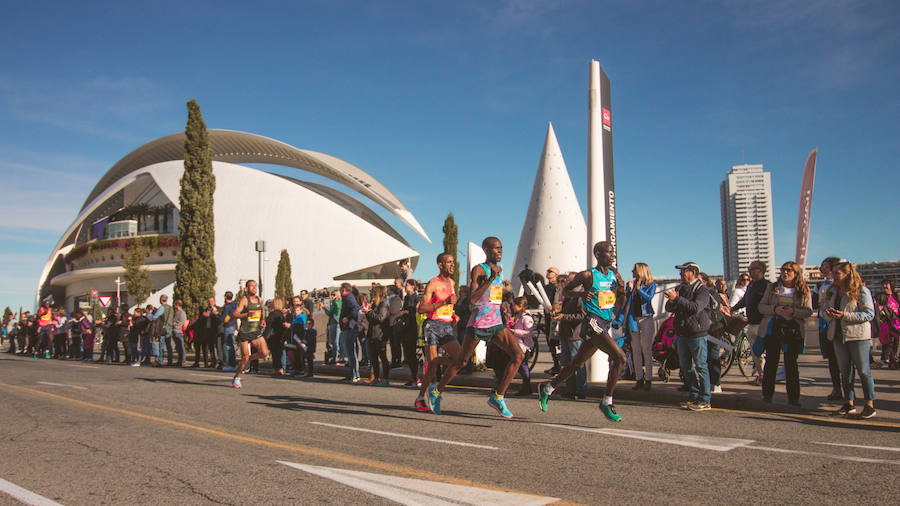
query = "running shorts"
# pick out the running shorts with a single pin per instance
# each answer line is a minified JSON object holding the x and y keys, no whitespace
{"x":246,"y":337}
{"x":594,"y":325}
{"x":439,"y":333}
{"x":487,"y":334}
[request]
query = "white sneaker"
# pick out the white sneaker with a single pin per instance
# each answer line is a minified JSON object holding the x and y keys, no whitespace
{"x":230,"y":368}
{"x":135,"y":364}
{"x":236,"y":383}
{"x":717,"y":389}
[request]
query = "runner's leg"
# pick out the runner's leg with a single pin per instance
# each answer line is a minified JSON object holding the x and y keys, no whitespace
{"x":245,"y":357}
{"x":506,"y":341}
{"x":605,"y":343}
{"x":585,"y":352}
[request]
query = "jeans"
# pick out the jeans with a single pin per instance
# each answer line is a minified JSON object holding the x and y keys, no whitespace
{"x":349,"y":345}
{"x":715,"y":366}
{"x":228,"y":351}
{"x":133,"y":346}
{"x":337,"y":352}
{"x":576,"y":383}
{"x":848,"y":355}
{"x":827,"y":347}
{"x":178,"y":337}
{"x":155,"y":350}
{"x":692,"y":350}
{"x":791,"y":370}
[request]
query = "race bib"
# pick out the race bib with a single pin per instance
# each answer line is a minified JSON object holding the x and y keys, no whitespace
{"x":606,"y":299}
{"x":444,"y":311}
{"x":496,"y":296}
{"x":254,"y":315}
{"x":46,"y":317}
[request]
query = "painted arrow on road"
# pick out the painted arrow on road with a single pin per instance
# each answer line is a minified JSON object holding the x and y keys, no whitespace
{"x":415,"y":492}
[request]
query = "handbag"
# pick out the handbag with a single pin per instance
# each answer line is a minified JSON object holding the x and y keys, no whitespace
{"x":734,"y":325}
{"x":786,"y":331}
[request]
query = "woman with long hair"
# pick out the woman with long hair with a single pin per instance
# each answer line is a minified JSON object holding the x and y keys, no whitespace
{"x":849,"y":309}
{"x":276,"y":328}
{"x":378,"y":336}
{"x":637,"y":314}
{"x":785,"y":306}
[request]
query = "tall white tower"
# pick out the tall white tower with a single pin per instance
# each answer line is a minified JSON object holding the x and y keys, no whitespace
{"x":554,"y":232}
{"x":747,"y":233}
{"x":601,"y":191}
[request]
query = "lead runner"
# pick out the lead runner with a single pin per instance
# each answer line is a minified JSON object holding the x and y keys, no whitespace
{"x":600,"y":288}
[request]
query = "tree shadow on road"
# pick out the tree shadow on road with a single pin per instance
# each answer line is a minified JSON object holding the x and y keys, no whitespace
{"x":829,"y":422}
{"x":182,"y":382}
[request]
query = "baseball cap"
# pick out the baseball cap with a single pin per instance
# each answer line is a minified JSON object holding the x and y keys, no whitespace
{"x":689,"y":265}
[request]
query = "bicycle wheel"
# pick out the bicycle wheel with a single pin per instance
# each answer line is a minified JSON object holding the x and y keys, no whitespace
{"x":745,"y":357}
{"x":726,"y":358}
{"x":531,"y":357}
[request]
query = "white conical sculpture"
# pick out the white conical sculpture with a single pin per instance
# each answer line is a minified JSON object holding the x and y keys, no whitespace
{"x":554,"y":232}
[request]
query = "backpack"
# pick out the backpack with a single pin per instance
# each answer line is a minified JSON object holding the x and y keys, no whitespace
{"x":156,"y":328}
{"x":717,"y":319}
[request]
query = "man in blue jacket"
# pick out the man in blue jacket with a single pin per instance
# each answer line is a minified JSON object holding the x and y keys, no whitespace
{"x":691,"y":325}
{"x":349,"y":314}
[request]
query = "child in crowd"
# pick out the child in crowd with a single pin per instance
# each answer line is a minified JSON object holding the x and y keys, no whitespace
{"x":522,"y":325}
{"x":310,"y":343}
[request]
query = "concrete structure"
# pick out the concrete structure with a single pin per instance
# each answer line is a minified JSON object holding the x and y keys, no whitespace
{"x":330,"y":236}
{"x":554,"y":233}
{"x":747,"y":234}
{"x":601,"y":191}
{"x":874,"y":273}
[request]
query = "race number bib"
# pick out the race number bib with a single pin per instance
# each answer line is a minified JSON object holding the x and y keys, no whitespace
{"x":254,"y":315}
{"x":606,"y":299}
{"x":445,"y":311}
{"x":496,"y":296}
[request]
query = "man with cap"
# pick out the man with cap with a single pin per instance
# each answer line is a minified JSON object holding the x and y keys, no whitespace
{"x":691,"y":325}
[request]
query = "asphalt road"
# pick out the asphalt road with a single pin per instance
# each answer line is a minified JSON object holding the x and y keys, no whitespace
{"x":79,"y":433}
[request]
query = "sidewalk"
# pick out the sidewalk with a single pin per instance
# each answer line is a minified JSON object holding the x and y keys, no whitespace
{"x":739,"y":393}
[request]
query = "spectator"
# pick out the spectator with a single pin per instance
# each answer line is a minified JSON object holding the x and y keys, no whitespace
{"x":889,"y":314}
{"x":737,"y":293}
{"x":409,"y":330}
{"x":310,"y":337}
{"x":406,"y":272}
{"x":179,"y":325}
{"x":523,"y":328}
{"x":378,"y":335}
{"x":229,"y":330}
{"x":826,"y":345}
{"x":691,"y":324}
{"x":637,"y":314}
{"x":349,"y":313}
{"x":136,"y":334}
{"x":785,"y":306}
{"x":275,"y":331}
{"x":750,"y":302}
{"x":569,"y":315}
{"x":333,"y":352}
{"x":849,"y":309}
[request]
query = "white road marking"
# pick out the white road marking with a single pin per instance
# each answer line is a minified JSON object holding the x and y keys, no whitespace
{"x":61,"y":385}
{"x":719,"y":444}
{"x":884,"y":448}
{"x":83,"y":366}
{"x":407,"y":436}
{"x":22,"y":495}
{"x":414,"y":492}
{"x":826,"y":455}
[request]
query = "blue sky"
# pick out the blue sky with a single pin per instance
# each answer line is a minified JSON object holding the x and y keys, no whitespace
{"x":447,"y":103}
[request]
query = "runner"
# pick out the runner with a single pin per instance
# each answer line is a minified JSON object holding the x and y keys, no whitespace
{"x":440,"y":325}
{"x":46,"y":330}
{"x":484,"y":325}
{"x":250,"y":311}
{"x":601,"y":286}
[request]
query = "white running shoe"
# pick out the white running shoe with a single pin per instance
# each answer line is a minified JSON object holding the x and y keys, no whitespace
{"x":236,"y":383}
{"x":717,"y":389}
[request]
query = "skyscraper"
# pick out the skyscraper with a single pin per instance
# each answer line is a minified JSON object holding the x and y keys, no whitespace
{"x":747,"y":232}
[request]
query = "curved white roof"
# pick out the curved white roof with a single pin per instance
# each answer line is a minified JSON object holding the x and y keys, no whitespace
{"x":242,"y":147}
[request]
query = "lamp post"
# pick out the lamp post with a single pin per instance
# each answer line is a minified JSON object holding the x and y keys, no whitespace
{"x":260,"y":249}
{"x":118,"y":284}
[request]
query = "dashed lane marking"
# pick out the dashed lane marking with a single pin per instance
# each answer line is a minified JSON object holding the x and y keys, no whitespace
{"x":414,"y":492}
{"x":406,"y":436}
{"x":719,"y":444}
{"x":61,"y":385}
{"x":23,"y":495}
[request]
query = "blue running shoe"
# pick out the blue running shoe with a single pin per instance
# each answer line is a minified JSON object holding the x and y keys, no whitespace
{"x":500,"y":406}
{"x":433,"y":399}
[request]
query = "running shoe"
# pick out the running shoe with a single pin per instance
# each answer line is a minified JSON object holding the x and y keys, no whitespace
{"x":846,"y":409}
{"x":500,"y":406}
{"x":433,"y":399}
{"x":609,"y":411}
{"x":699,"y":406}
{"x":46,"y":355}
{"x":236,"y":383}
{"x":867,"y":412}
{"x":543,"y":396}
{"x":420,"y":405}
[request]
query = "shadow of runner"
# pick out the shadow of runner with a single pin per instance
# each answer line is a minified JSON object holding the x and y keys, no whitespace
{"x":297,"y":403}
{"x":183,"y":382}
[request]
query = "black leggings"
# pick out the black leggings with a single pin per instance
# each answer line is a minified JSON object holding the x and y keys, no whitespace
{"x":791,"y":371}
{"x":276,"y":346}
{"x":409,"y":353}
{"x":378,"y":350}
{"x":833,"y":370}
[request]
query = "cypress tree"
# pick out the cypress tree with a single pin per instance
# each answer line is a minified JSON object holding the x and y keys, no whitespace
{"x":284,"y":288}
{"x":450,"y":246}
{"x":195,"y":272}
{"x":7,"y":315}
{"x":137,"y":277}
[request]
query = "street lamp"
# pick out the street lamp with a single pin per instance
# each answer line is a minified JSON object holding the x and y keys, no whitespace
{"x":260,"y":248}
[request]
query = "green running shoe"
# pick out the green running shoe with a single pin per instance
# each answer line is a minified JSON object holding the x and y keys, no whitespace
{"x":543,"y":396}
{"x":609,"y":411}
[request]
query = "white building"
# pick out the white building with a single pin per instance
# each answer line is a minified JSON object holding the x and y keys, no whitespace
{"x":331,"y":237}
{"x":747,"y":233}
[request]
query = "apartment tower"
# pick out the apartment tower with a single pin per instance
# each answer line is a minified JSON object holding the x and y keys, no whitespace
{"x":747,"y":232}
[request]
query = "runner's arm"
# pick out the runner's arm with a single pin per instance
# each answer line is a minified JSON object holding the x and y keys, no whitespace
{"x":240,"y":307}
{"x":583,"y":279}
{"x":421,"y":307}
{"x":483,"y":284}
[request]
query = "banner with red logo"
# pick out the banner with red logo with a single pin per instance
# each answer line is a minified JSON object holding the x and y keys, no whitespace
{"x":806,"y":193}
